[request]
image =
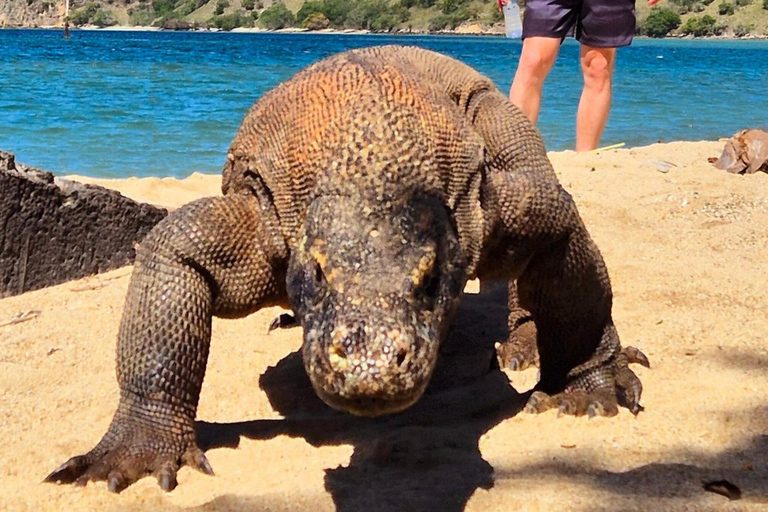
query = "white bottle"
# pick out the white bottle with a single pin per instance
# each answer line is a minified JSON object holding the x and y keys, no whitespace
{"x":512,"y":22}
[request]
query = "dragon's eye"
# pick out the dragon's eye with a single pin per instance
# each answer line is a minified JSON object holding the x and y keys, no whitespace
{"x":430,"y":286}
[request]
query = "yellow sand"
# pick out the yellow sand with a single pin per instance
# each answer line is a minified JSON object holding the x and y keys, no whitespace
{"x":687,"y":251}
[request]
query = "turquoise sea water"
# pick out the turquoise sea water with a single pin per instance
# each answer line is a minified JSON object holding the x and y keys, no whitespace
{"x":116,"y":104}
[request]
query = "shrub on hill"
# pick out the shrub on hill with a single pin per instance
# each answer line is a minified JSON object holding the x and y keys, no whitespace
{"x":377,"y":15}
{"x":163,"y":7}
{"x":232,"y":21}
{"x":442,"y":22}
{"x":93,"y":15}
{"x":187,"y":8}
{"x":220,"y":6}
{"x":335,"y":11}
{"x":316,"y":21}
{"x":451,"y":21}
{"x":141,"y":17}
{"x":276,"y":16}
{"x":659,"y":23}
{"x":725,"y":9}
{"x":741,"y":30}
{"x":704,"y":26}
{"x":417,"y":3}
{"x":103,"y":18}
{"x":83,"y":15}
{"x":684,"y":6}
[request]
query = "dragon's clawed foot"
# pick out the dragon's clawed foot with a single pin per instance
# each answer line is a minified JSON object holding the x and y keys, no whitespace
{"x":124,"y":458}
{"x":519,"y":352}
{"x":598,"y":392}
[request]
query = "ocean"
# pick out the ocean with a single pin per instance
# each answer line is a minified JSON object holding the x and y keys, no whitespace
{"x":115,"y":104}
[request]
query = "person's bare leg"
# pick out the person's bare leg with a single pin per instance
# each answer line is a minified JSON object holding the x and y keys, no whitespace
{"x":536,"y":59}
{"x":595,"y":104}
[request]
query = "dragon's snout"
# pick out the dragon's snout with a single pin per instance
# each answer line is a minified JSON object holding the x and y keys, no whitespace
{"x":367,"y":370}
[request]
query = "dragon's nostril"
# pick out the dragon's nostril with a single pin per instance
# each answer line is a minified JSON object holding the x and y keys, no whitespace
{"x":337,"y":356}
{"x":338,"y":351}
{"x":400,"y":357}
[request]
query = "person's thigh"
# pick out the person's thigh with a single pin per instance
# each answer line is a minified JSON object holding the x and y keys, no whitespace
{"x":550,"y":18}
{"x":606,"y":23}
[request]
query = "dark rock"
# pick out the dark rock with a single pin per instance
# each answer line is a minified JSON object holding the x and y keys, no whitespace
{"x":177,"y":25}
{"x":54,"y":230}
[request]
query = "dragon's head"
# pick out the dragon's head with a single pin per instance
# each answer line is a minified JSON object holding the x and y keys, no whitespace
{"x":374,"y":284}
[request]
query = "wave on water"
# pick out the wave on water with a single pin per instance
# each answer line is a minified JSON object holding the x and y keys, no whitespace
{"x":116,"y":104}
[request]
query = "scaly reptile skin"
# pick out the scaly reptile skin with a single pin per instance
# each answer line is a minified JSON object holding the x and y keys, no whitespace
{"x":364,"y":192}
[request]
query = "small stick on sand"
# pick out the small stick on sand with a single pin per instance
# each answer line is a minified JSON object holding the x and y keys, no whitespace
{"x":22,"y":316}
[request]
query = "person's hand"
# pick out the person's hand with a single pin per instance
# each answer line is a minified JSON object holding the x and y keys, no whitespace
{"x":501,"y":3}
{"x":650,"y":2}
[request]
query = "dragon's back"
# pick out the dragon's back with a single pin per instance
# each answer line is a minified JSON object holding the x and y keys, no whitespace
{"x":376,"y":122}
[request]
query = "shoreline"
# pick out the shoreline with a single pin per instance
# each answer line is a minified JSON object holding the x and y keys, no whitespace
{"x":295,"y":30}
{"x":155,"y":189}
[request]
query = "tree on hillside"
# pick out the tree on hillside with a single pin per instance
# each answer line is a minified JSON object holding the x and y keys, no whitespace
{"x":163,"y":7}
{"x":660,"y":23}
{"x":310,"y":8}
{"x":704,"y":26}
{"x":684,"y":6}
{"x":377,"y":15}
{"x":277,"y":16}
{"x":316,"y":21}
{"x":725,"y":9}
{"x":417,"y":3}
{"x":91,"y":14}
{"x":335,"y":10}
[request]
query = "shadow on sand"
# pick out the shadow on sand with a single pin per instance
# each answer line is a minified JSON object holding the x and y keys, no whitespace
{"x":426,"y":458}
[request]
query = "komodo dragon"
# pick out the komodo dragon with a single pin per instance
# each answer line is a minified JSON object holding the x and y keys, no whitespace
{"x":363,"y":192}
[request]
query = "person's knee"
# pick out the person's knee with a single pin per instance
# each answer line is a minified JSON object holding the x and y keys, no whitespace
{"x":535,"y":64}
{"x":597,"y":67}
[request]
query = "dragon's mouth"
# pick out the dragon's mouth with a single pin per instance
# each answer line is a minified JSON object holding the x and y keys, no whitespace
{"x":370,"y":406}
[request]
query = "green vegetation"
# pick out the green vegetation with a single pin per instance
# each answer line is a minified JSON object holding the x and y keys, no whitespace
{"x":725,"y":9}
{"x":671,"y":18}
{"x":277,"y":16}
{"x":704,"y":26}
{"x":232,"y":20}
{"x":163,"y":7}
{"x":220,"y":6}
{"x":141,"y":17}
{"x":92,"y":14}
{"x":316,"y":21}
{"x":659,"y":23}
{"x":187,"y":8}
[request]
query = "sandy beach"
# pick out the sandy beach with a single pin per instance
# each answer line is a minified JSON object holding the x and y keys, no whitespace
{"x":686,"y":246}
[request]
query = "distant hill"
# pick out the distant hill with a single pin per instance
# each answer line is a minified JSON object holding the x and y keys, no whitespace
{"x":730,"y":18}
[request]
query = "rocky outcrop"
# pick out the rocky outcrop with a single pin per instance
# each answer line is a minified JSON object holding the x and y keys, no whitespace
{"x":34,"y":13}
{"x":53,"y":230}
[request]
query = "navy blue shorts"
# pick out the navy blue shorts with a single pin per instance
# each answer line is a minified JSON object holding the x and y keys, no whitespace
{"x":599,"y":23}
